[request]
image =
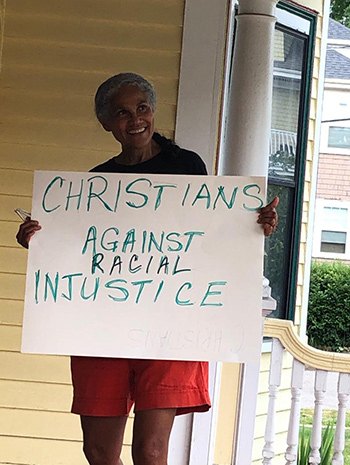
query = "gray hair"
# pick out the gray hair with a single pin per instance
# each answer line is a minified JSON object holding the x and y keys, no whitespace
{"x":110,"y":87}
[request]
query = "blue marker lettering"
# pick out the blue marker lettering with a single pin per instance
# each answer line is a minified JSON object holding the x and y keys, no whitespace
{"x":129,"y":240}
{"x":169,"y":239}
{"x":203,"y":193}
{"x":186,"y":194}
{"x":72,"y":196}
{"x":53,"y":287}
{"x":245,"y":192}
{"x":160,"y":193}
{"x":61,"y":181}
{"x":177,"y":297}
{"x":125,"y":292}
{"x":97,"y":195}
{"x":90,"y":237}
{"x":209,"y":292}
{"x":142,"y":285}
{"x":114,"y":244}
{"x":94,"y":292}
{"x":144,"y":196}
{"x":117,"y":196}
{"x":221,"y":195}
{"x":191,"y":235}
{"x":152,"y":240}
{"x":37,"y":280}
{"x":70,"y":285}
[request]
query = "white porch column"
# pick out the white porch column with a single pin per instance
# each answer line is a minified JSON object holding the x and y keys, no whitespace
{"x":246,"y":153}
{"x":248,"y":121}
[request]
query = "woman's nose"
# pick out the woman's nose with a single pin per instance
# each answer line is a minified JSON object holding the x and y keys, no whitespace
{"x":134,"y":117}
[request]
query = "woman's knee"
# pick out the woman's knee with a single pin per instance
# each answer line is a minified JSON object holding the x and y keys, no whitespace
{"x":103,"y":438}
{"x":97,"y":455}
{"x":152,"y":451}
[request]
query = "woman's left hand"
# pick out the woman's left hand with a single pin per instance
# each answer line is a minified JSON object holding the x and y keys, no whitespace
{"x":268,"y":217}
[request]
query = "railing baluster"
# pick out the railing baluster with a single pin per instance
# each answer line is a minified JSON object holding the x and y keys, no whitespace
{"x":294,"y":417}
{"x":316,"y":435}
{"x":268,"y":452}
{"x":286,"y":333}
{"x":339,"y":437}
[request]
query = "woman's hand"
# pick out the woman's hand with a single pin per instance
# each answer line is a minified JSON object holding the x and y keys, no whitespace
{"x":26,"y":231}
{"x":268,"y":217}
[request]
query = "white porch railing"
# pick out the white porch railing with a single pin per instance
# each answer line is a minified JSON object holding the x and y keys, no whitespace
{"x":285,"y":338}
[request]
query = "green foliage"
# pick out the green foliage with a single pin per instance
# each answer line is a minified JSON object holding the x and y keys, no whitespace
{"x":326,"y":447}
{"x":340,"y":11}
{"x":329,"y":305}
{"x":304,"y":446}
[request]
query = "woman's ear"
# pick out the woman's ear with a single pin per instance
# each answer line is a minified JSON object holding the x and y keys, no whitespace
{"x":106,"y":127}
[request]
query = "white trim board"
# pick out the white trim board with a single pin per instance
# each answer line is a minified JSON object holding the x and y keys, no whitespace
{"x":201,"y":74}
{"x":197,"y":123}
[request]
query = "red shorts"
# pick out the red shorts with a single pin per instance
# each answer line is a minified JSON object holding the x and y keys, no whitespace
{"x":110,"y":386}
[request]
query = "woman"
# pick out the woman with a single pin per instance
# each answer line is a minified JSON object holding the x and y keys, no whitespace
{"x":105,"y":388}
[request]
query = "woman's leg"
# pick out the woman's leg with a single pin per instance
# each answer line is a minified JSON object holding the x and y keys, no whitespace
{"x":151,"y":435}
{"x":103,"y":439}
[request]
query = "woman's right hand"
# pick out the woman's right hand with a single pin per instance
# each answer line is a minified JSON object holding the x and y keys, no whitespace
{"x":26,"y":231}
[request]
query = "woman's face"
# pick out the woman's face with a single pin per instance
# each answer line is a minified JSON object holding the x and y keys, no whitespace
{"x":132,"y":120}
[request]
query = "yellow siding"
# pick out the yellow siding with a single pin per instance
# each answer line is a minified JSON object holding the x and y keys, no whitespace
{"x":2,"y":26}
{"x":309,"y":167}
{"x":229,"y":395}
{"x":54,"y":56}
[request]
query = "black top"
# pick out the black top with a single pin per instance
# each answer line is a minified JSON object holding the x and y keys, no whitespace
{"x":167,"y":161}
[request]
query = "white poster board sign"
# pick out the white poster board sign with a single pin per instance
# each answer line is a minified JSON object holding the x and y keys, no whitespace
{"x":145,"y":266}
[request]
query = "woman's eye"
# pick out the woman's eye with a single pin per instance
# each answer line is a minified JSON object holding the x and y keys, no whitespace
{"x":121,"y":113}
{"x":143,"y":107}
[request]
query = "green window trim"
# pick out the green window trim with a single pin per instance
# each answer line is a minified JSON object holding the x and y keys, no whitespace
{"x":303,"y":123}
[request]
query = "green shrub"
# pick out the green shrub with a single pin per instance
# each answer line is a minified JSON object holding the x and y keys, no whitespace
{"x":328,"y":325}
{"x":326,"y":450}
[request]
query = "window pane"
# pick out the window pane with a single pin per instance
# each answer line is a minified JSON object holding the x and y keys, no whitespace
{"x":286,"y":161}
{"x":288,"y":65}
{"x":278,"y":250}
{"x":333,"y":236}
{"x":332,"y":248}
{"x":339,"y":137}
{"x":335,"y":218}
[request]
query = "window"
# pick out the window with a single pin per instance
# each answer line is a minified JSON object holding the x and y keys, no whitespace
{"x":333,"y":242}
{"x":339,"y":137}
{"x":332,"y":223}
{"x":294,"y":42}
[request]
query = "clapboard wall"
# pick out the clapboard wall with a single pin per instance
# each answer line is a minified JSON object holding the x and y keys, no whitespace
{"x":55,"y":54}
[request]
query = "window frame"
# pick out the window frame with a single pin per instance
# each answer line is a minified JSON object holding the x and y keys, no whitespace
{"x":298,"y":184}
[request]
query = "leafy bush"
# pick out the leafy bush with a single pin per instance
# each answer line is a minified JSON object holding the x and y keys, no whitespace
{"x":329,"y":306}
{"x":325,"y":450}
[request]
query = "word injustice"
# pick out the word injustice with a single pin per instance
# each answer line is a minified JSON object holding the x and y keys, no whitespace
{"x":98,"y":191}
{"x":76,"y":286}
